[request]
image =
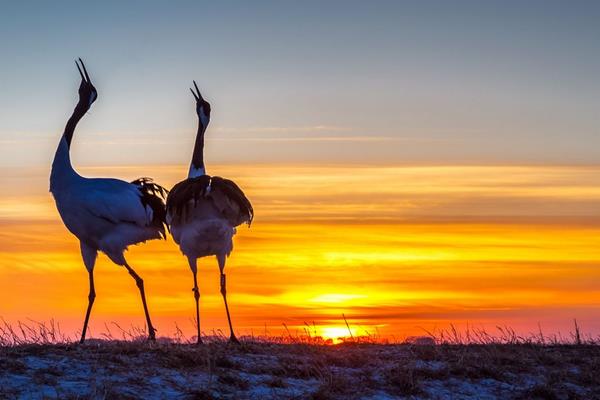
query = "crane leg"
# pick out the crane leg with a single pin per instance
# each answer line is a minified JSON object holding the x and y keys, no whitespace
{"x":89,"y":255}
{"x":140,"y":284}
{"x":197,"y":298}
{"x":194,"y":267}
{"x":221,"y":260}
{"x":91,"y":298}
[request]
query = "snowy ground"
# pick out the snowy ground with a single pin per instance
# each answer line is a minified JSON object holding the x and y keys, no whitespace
{"x":253,"y":370}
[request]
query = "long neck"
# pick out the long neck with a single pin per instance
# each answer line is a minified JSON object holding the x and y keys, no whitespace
{"x":62,"y":170}
{"x":197,"y":166}
{"x":78,"y":113}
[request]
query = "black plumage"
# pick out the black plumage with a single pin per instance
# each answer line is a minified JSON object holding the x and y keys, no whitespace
{"x":228,"y":198}
{"x":153,"y":196}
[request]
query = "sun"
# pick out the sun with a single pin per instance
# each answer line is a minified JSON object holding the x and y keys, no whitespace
{"x":336,"y":333}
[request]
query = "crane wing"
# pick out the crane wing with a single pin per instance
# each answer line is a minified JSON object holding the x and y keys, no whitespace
{"x":226,"y":196}
{"x":116,"y":201}
{"x":231,"y":201}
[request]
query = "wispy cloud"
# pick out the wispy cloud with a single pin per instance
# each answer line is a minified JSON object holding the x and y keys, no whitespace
{"x":313,"y":139}
{"x":274,"y":134}
{"x":283,"y":129}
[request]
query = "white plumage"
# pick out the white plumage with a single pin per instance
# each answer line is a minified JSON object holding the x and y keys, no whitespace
{"x":203,"y":236}
{"x":106,"y":215}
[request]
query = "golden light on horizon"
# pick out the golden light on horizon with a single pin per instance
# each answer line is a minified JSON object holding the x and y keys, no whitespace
{"x":336,"y":333}
{"x":399,"y":248}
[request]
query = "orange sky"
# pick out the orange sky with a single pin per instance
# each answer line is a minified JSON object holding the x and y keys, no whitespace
{"x":396,"y":249}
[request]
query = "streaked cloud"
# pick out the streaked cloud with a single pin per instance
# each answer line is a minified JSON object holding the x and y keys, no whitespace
{"x":284,"y":129}
{"x":395,"y":249}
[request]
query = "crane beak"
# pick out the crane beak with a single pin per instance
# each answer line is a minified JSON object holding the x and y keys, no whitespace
{"x":197,"y":94}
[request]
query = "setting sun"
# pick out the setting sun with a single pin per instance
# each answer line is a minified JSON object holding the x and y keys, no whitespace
{"x":335,"y":333}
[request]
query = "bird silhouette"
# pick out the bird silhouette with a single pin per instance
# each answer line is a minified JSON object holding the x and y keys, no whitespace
{"x":106,"y":215}
{"x":203,"y":212}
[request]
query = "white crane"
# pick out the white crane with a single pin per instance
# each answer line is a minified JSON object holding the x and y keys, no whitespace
{"x":105,"y":215}
{"x":203,"y":211}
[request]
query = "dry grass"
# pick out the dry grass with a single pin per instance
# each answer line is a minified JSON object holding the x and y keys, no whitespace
{"x":36,"y":361}
{"x":36,"y":332}
{"x":271,"y":370}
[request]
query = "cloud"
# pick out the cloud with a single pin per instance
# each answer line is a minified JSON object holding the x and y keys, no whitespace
{"x":379,"y":268}
{"x":283,"y":129}
{"x":313,"y":139}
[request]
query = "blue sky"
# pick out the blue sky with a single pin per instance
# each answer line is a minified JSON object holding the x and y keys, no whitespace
{"x":338,"y":82}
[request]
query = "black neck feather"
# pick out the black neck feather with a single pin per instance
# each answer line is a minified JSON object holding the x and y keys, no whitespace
{"x":78,"y":113}
{"x":198,"y":156}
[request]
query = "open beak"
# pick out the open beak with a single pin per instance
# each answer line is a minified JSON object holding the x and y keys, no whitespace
{"x":84,"y":75}
{"x":196,"y":94}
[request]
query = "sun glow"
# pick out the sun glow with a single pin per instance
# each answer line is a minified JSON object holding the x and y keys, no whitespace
{"x":336,"y":333}
{"x":336,"y":298}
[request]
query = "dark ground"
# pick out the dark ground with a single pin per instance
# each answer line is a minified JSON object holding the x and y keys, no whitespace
{"x":259,"y":370}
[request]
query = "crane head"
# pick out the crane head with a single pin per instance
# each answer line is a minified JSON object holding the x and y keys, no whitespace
{"x":87,"y":91}
{"x":202,"y":107}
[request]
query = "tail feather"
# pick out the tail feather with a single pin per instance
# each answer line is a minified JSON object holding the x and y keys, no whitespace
{"x":153,"y":196}
{"x":235,"y":194}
